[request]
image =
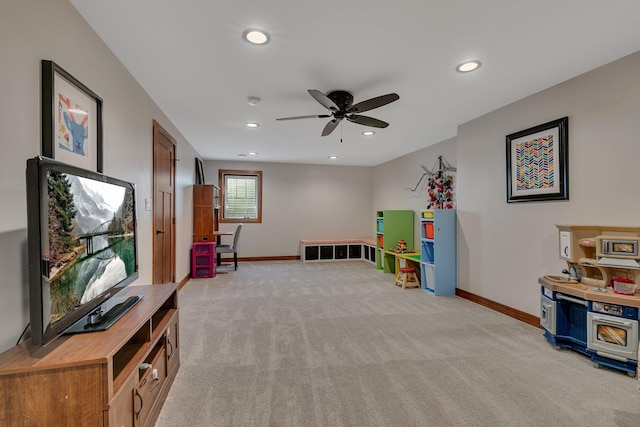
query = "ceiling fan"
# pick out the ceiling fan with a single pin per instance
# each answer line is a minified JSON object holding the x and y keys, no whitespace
{"x":340,"y":105}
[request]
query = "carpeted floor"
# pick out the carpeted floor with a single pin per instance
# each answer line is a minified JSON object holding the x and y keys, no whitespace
{"x":336,"y":344}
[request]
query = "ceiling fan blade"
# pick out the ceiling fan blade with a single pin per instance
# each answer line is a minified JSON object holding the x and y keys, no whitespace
{"x":367,"y":121}
{"x":330,"y":127}
{"x":372,"y":103}
{"x":317,"y":116}
{"x":323,"y":99}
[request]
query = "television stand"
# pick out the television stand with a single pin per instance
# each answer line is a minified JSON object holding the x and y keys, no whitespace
{"x":104,"y":316}
{"x":117,"y":377}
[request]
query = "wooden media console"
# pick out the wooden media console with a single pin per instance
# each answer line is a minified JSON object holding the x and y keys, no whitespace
{"x":118,"y":377}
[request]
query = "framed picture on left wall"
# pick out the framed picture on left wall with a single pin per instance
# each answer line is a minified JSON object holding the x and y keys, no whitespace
{"x":71,"y":115}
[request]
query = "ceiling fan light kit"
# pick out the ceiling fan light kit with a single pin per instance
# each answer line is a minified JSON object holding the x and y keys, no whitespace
{"x":340,"y":105}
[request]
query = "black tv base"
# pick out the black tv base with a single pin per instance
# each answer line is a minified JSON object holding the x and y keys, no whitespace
{"x":105,"y":315}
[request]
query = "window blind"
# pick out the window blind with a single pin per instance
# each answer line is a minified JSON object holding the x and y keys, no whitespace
{"x":241,"y":197}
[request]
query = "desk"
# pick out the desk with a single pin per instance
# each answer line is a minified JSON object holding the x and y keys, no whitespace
{"x":222,"y":233}
{"x":412,"y":259}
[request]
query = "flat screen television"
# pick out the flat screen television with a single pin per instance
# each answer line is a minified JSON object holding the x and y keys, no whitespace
{"x":81,"y":248}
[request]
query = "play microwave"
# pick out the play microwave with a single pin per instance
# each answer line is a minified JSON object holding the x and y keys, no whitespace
{"x":618,"y":247}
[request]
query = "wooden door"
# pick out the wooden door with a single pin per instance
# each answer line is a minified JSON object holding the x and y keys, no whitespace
{"x":164,"y":158}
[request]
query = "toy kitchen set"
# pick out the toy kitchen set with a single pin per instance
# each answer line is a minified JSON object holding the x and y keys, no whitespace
{"x":594,"y":308}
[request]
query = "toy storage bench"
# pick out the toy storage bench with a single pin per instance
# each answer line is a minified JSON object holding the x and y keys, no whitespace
{"x":338,"y":250}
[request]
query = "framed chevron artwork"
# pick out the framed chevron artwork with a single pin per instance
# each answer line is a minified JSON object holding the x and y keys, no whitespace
{"x":537,"y":163}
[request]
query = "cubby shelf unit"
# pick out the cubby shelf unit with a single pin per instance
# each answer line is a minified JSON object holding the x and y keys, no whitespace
{"x":338,"y":250}
{"x":438,"y":251}
{"x":203,"y":260}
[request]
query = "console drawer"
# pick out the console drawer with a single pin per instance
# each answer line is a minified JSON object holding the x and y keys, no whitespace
{"x":151,"y":382}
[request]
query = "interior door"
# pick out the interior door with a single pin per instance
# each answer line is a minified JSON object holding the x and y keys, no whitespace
{"x":164,"y":158}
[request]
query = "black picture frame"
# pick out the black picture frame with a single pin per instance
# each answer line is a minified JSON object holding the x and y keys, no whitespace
{"x":71,"y":116}
{"x":538,"y":163}
{"x":199,"y":172}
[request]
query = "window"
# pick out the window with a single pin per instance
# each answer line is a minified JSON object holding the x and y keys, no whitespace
{"x":242,"y":195}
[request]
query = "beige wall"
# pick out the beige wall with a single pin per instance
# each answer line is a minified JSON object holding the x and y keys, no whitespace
{"x":392,"y":180}
{"x":503,"y":248}
{"x":52,"y":29}
{"x":303,"y":202}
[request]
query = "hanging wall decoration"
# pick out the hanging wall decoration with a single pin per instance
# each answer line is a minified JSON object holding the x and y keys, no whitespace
{"x":440,"y":192}
{"x":440,"y":185}
{"x":537,"y":163}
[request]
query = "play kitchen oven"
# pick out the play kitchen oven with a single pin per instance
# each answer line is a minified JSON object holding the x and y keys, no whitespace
{"x":612,"y":332}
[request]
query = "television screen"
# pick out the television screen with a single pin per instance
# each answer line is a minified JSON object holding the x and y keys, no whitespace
{"x":82,"y":244}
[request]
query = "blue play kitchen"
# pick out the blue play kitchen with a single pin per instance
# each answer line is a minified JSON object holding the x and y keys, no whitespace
{"x":594,"y":308}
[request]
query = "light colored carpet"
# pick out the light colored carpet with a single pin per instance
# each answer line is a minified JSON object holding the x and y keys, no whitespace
{"x":336,"y":344}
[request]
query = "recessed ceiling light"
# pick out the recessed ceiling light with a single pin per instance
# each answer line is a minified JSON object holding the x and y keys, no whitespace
{"x":252,"y":125}
{"x":333,"y":157}
{"x":252,"y":153}
{"x":465,"y":67}
{"x":256,"y":36}
{"x":242,"y":155}
{"x":368,"y":133}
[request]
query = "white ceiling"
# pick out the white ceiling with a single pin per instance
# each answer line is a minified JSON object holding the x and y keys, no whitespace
{"x":190,"y":57}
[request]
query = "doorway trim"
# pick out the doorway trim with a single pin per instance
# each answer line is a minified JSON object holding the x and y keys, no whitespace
{"x":159,"y":130}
